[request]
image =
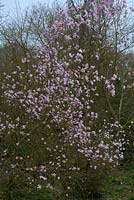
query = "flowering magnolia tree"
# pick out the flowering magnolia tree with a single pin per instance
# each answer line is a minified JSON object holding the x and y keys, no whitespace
{"x":59,"y":126}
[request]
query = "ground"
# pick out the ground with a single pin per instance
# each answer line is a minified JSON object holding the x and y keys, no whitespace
{"x":119,"y":186}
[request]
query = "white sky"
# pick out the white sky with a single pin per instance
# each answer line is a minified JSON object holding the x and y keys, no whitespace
{"x":10,"y":6}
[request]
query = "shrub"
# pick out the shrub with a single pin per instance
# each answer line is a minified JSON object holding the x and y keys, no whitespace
{"x":59,"y":126}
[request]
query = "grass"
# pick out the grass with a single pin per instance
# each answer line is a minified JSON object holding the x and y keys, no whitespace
{"x":41,"y":195}
{"x":119,"y":186}
{"x":32,"y":196}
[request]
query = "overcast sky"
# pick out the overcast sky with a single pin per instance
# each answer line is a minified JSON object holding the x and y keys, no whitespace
{"x":10,"y":6}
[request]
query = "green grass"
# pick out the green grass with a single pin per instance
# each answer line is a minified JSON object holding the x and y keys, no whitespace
{"x":32,"y":196}
{"x":119,"y":186}
{"x":40,"y":195}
